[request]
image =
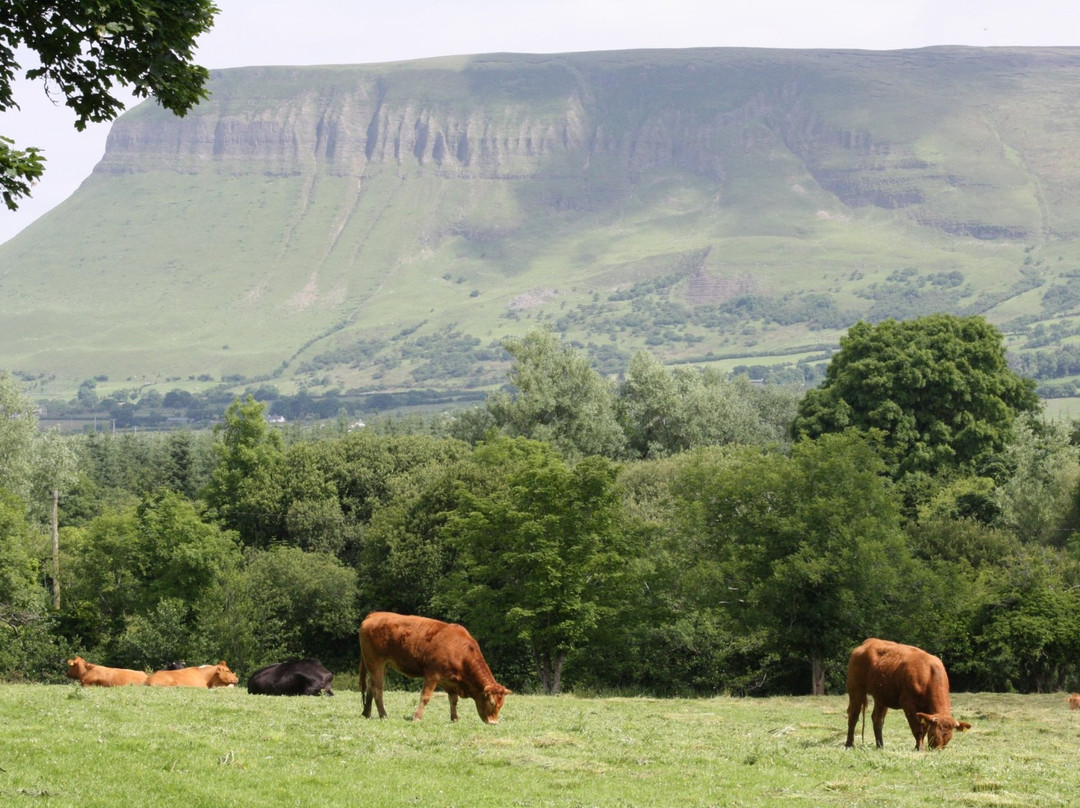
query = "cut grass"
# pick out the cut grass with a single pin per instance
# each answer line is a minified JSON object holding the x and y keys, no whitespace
{"x":143,"y":746}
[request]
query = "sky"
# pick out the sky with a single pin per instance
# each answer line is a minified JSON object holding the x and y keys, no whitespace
{"x":290,"y":32}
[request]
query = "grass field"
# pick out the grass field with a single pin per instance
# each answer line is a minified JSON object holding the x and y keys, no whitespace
{"x":61,"y":745}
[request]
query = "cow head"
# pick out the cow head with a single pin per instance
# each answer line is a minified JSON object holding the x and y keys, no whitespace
{"x":490,"y":702}
{"x":939,"y":728}
{"x":76,"y":667}
{"x":1074,"y":701}
{"x":222,"y":676}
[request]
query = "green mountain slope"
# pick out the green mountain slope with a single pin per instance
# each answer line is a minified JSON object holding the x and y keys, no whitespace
{"x":383,"y":226}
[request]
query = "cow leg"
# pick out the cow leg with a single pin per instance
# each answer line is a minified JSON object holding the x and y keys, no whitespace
{"x":364,"y":691}
{"x":375,"y":690}
{"x":856,"y":705}
{"x":430,"y":683}
{"x":918,"y":729}
{"x":453,"y":706}
{"x":878,"y":718}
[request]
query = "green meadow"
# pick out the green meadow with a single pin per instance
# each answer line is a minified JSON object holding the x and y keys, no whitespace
{"x":62,"y":745}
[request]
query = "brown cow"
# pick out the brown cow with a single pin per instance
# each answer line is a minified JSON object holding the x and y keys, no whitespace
{"x":901,"y":677}
{"x":91,"y":675}
{"x":1074,"y":701}
{"x":442,"y":654}
{"x":217,"y":675}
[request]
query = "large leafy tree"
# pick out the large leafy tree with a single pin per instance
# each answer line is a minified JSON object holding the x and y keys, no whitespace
{"x":937,"y":387}
{"x":537,"y":549}
{"x":665,"y":412}
{"x":559,"y":398}
{"x":806,"y":548}
{"x":82,"y":50}
{"x":245,"y":487}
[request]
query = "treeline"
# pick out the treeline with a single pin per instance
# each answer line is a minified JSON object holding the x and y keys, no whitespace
{"x":679,"y":532}
{"x":151,"y":410}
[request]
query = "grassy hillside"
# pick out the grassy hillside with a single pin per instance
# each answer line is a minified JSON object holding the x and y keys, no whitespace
{"x":384,"y":226}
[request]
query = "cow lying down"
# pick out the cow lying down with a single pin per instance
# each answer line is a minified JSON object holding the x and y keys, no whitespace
{"x":302,"y":677}
{"x":90,"y":675}
{"x":206,"y":676}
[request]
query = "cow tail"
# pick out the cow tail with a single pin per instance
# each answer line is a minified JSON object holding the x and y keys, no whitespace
{"x":363,"y":674}
{"x":863,"y":711}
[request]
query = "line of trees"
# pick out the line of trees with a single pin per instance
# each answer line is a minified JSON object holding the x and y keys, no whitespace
{"x":672,"y":532}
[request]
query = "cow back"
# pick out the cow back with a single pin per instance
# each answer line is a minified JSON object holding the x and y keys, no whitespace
{"x":898,"y":675}
{"x":90,"y":675}
{"x":304,"y":677}
{"x":206,"y":676}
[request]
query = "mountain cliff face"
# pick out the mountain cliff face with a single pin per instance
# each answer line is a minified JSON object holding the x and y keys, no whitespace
{"x":316,"y":222}
{"x":863,"y":124}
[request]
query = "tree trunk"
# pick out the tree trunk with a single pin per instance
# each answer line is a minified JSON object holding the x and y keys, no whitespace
{"x":56,"y":548}
{"x":817,"y":675}
{"x":549,"y":669}
{"x":543,"y":669}
{"x":560,"y":658}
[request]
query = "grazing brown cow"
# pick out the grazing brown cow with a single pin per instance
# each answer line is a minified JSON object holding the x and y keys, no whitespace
{"x":901,"y":677}
{"x":442,"y":654}
{"x":1074,"y":701}
{"x":91,"y":675}
{"x":217,"y":675}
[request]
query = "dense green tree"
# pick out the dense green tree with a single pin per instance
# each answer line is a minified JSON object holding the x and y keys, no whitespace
{"x":836,"y":565}
{"x":124,"y":564}
{"x":938,"y":388}
{"x":366,"y":464}
{"x":285,"y":602}
{"x":807,"y":548}
{"x":664,"y":412}
{"x":404,"y":557}
{"x":558,"y":398}
{"x":535,"y":550}
{"x":181,"y":554}
{"x":83,"y":50}
{"x":100,"y":564}
{"x":1026,"y":636}
{"x":20,"y":573}
{"x":180,"y":463}
{"x":28,"y":642}
{"x":245,"y":486}
{"x":676,"y":629}
{"x":1038,"y":502}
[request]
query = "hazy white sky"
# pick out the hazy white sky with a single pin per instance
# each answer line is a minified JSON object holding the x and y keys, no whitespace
{"x":279,"y":32}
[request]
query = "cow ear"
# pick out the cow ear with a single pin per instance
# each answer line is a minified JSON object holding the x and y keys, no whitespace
{"x":926,"y":720}
{"x":963,"y":726}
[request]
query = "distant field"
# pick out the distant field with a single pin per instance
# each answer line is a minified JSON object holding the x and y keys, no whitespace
{"x":66,"y":746}
{"x":1063,"y":409}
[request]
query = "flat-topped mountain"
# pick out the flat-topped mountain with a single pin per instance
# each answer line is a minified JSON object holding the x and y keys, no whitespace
{"x":383,"y":226}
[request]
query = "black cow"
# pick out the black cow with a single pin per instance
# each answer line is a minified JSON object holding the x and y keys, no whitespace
{"x":304,"y":677}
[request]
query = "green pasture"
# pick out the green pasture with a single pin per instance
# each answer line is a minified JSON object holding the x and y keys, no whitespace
{"x":62,"y":745}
